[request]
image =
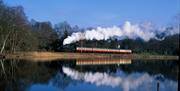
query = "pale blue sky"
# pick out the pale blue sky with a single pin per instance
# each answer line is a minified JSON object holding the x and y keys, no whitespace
{"x":86,"y":13}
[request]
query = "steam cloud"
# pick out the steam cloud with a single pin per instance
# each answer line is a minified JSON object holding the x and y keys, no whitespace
{"x":107,"y":80}
{"x":132,"y":31}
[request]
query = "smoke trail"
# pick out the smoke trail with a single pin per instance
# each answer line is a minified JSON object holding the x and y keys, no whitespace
{"x":107,"y":80}
{"x":132,"y":31}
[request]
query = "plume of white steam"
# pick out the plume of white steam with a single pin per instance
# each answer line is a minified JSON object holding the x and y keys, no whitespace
{"x":105,"y":79}
{"x":132,"y":31}
{"x":170,"y":30}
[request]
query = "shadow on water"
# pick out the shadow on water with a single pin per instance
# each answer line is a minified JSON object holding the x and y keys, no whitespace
{"x":22,"y":75}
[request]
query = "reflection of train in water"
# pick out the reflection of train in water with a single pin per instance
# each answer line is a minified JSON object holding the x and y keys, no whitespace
{"x":102,"y":50}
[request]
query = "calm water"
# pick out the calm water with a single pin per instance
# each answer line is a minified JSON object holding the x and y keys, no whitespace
{"x":69,"y":75}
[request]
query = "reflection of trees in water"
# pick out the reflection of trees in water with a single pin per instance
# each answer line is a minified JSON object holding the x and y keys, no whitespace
{"x":2,"y":65}
{"x":8,"y":73}
{"x":168,"y":68}
{"x":57,"y":64}
{"x":21,"y":74}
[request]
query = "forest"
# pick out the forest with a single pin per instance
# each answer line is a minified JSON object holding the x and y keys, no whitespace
{"x":17,"y":34}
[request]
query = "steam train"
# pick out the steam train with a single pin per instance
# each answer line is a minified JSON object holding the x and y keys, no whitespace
{"x":102,"y":50}
{"x":75,"y":48}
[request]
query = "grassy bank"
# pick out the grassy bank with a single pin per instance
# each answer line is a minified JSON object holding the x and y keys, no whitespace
{"x":154,"y":56}
{"x":43,"y":56}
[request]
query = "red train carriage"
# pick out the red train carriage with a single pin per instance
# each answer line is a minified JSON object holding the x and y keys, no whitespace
{"x":101,"y":50}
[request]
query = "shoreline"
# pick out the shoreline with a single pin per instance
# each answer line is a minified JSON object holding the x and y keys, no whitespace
{"x":44,"y":56}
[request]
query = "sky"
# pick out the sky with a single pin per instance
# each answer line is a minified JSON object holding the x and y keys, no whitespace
{"x":92,"y":13}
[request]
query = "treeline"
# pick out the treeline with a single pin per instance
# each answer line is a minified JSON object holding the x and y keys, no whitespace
{"x":19,"y":34}
{"x":168,"y":46}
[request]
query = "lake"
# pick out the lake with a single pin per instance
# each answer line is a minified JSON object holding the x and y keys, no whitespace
{"x":89,"y":75}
